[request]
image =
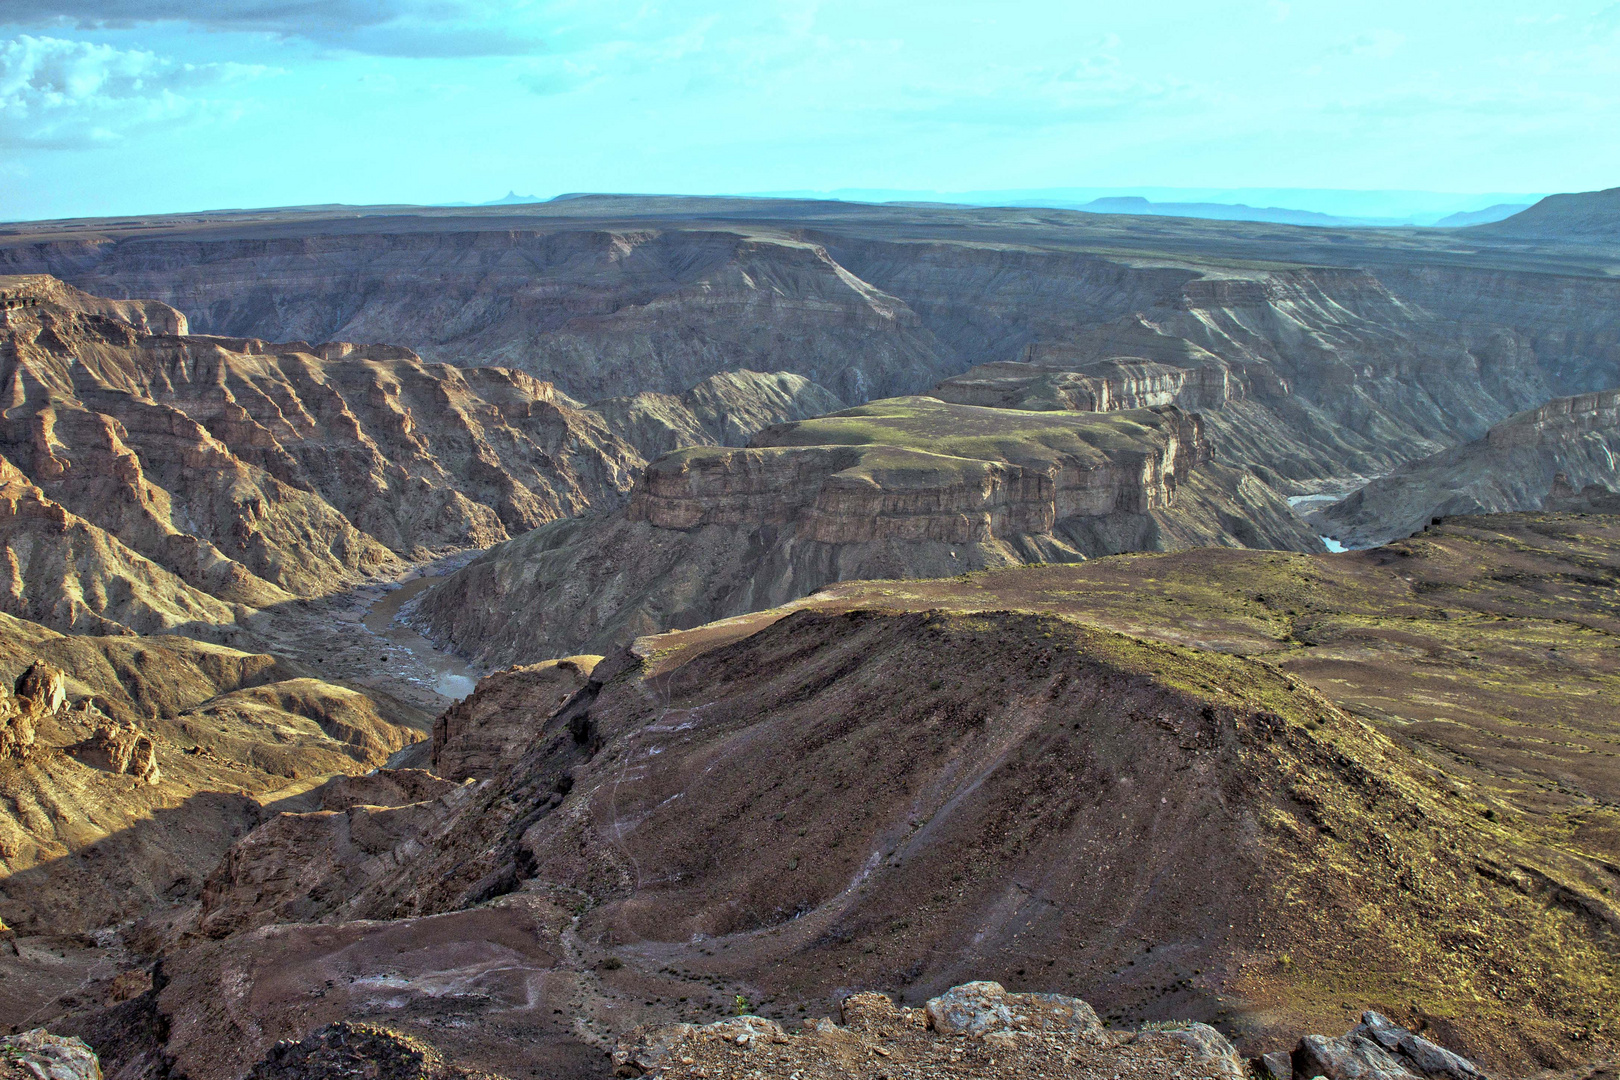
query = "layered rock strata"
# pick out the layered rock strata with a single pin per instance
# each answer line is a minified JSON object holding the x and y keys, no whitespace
{"x":155,"y":480}
{"x":1381,"y":342}
{"x":902,"y":488}
{"x":1540,"y":458}
{"x":723,"y":410}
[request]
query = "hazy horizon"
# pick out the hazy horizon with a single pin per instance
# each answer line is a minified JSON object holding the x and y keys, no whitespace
{"x":113,"y":107}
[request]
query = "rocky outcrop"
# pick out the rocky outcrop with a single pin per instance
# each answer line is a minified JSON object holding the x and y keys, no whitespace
{"x":909,"y":487}
{"x":382,"y":787}
{"x":120,"y":748}
{"x":983,"y":1007}
{"x":1044,"y":382}
{"x":39,"y":1055}
{"x":351,"y":1049}
{"x":723,"y":410}
{"x":43,"y":685}
{"x":19,"y":291}
{"x":1538,"y":459}
{"x":977,"y":1030}
{"x":497,"y":723}
{"x":1378,"y":1049}
{"x":37,"y":696}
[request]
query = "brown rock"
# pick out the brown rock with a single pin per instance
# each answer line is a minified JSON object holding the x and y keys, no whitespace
{"x":120,"y":748}
{"x":504,"y":715}
{"x":44,"y":685}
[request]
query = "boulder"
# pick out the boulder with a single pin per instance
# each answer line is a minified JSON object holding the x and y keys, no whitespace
{"x":645,"y":1049}
{"x":1352,"y":1057}
{"x":1276,"y":1065}
{"x":17,"y":730}
{"x":979,"y":1008}
{"x":44,"y":685}
{"x":120,"y":748}
{"x":39,"y":1055}
{"x":1415,"y":1052}
{"x":1212,"y":1046}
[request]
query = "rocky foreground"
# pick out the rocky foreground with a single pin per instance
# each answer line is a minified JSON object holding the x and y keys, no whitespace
{"x":981,"y":1030}
{"x":977,"y":1030}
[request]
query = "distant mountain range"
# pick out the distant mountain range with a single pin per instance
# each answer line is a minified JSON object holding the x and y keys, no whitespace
{"x":1589,"y":216}
{"x":1284,"y":206}
{"x":1281,"y":215}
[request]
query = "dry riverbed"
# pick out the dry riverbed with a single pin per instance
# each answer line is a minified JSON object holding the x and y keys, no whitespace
{"x":355,"y":637}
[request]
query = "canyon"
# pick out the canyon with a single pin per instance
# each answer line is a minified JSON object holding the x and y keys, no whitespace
{"x":511,"y":640}
{"x":779,"y":806}
{"x":904,"y":487}
{"x":1528,"y":462}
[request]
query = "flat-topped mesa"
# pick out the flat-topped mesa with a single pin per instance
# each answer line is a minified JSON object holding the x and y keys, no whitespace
{"x":844,"y":494}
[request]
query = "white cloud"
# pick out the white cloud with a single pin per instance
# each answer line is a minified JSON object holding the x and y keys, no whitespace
{"x":416,"y":28}
{"x":66,"y":94}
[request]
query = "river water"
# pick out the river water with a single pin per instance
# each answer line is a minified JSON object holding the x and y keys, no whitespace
{"x":451,"y":676}
{"x":355,"y":637}
{"x":1304,"y":504}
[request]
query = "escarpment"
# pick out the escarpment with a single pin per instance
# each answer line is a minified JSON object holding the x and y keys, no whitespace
{"x":1526,"y":462}
{"x":856,"y":493}
{"x":907,"y":487}
{"x":1394,"y":345}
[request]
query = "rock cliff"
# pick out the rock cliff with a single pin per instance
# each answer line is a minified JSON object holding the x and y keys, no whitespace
{"x":1379,"y":347}
{"x":1543,"y":453}
{"x":900,"y":488}
{"x":600,"y":311}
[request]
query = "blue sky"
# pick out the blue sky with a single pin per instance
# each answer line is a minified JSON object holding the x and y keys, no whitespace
{"x":127,"y":106}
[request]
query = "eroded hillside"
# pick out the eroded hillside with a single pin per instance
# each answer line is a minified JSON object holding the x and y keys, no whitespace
{"x":95,"y":830}
{"x":901,"y":785}
{"x":180,"y":479}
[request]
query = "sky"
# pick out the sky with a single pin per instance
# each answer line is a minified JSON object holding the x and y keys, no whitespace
{"x":111,"y":107}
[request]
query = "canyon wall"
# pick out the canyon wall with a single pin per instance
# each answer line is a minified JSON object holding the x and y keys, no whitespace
{"x":900,"y":488}
{"x":1554,"y":450}
{"x":1398,"y":348}
{"x":160,"y":480}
